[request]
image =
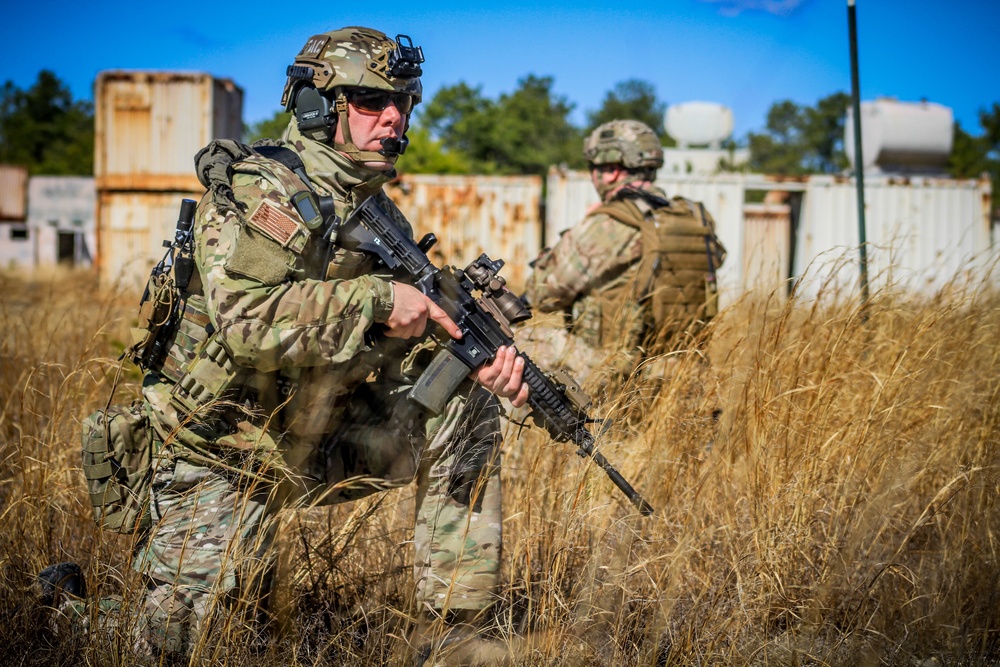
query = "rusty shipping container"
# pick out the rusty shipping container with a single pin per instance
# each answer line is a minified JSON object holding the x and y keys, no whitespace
{"x":131,"y":228}
{"x":13,"y":192}
{"x":149,"y":125}
{"x":471,"y":215}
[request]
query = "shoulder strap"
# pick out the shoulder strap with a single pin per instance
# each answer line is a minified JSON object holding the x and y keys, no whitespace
{"x":624,"y":213}
{"x":285,"y":156}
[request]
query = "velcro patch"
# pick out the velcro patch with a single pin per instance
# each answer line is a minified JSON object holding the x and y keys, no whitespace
{"x":315,"y":46}
{"x":273,"y":223}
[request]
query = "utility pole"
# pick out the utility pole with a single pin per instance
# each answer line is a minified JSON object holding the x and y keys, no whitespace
{"x":859,"y":168}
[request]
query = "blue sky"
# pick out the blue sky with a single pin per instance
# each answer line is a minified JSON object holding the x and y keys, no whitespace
{"x":745,"y":54}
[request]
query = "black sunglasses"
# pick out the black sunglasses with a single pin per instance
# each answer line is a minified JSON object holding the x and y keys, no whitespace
{"x":368,"y":99}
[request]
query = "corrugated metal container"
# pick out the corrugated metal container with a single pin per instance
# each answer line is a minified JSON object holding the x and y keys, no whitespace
{"x":131,"y":229}
{"x":13,"y":192}
{"x":470,"y":215}
{"x":921,"y":232}
{"x":149,"y":125}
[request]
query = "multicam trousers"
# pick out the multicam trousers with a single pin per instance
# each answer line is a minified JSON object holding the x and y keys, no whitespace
{"x":211,"y":551}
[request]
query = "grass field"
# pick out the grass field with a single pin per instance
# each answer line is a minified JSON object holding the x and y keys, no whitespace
{"x":840,"y":511}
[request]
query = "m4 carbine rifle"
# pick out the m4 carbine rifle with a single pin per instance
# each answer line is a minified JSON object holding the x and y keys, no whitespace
{"x":556,"y":402}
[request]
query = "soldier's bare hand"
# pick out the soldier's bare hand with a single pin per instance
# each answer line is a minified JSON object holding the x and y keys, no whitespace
{"x":504,"y":376}
{"x":410,"y":311}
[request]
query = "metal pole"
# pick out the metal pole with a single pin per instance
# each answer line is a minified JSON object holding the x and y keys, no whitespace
{"x":859,"y":170}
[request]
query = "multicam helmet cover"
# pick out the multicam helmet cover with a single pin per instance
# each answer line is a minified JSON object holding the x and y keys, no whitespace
{"x":354,"y":57}
{"x":626,"y":142}
{"x":357,"y":57}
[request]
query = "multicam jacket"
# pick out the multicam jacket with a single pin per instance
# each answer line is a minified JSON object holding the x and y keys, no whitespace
{"x":629,"y":268}
{"x":277,"y":329}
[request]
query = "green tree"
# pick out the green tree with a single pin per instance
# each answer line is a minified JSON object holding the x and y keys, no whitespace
{"x":532,"y":131}
{"x":971,"y":156}
{"x":523,"y":132}
{"x":823,"y":134}
{"x":45,"y":129}
{"x":968,"y":157}
{"x":633,"y":98}
{"x":269,"y":128}
{"x":427,"y":155}
{"x":801,"y":139}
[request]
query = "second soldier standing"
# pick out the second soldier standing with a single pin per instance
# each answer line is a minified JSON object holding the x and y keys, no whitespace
{"x":636,"y":277}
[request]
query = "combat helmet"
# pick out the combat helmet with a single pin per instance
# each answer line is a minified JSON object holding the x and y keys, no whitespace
{"x":629,"y":143}
{"x":333,"y":63}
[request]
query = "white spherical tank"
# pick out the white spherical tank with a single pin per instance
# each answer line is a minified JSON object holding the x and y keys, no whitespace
{"x":903,"y":136}
{"x":698,"y":123}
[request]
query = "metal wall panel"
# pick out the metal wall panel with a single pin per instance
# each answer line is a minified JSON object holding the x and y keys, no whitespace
{"x":921,"y":232}
{"x":470,"y":215}
{"x":13,"y":192}
{"x":131,"y":229}
{"x":149,"y":125}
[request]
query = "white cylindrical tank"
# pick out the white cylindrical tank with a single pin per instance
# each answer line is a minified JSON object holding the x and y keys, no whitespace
{"x":901,"y":135}
{"x":698,"y":123}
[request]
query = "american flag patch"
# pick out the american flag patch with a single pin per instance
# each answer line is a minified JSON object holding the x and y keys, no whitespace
{"x":273,"y":222}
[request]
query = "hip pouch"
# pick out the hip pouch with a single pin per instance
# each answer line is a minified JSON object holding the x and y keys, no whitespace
{"x":119,"y":447}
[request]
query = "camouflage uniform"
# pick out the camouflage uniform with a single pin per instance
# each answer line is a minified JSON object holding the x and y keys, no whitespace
{"x":631,"y":277}
{"x":278,"y":393}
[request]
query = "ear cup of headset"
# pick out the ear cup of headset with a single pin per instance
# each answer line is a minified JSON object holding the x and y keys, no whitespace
{"x":312,"y":113}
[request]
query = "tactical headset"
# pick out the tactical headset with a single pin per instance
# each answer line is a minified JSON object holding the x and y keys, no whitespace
{"x":316,"y":112}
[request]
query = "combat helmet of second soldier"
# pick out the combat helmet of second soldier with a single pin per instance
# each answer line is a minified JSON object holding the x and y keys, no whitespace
{"x":630,"y":143}
{"x":352,"y":62}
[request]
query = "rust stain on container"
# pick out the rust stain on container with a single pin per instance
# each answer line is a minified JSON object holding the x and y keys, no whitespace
{"x":13,"y":192}
{"x":131,"y":228}
{"x":471,"y":215}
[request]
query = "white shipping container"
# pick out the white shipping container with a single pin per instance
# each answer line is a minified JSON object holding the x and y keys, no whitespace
{"x":149,"y":125}
{"x":921,"y":232}
{"x":17,"y":247}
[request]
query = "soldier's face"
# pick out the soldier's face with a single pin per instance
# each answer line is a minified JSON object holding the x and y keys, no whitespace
{"x":605,"y":174}
{"x":369,"y":128}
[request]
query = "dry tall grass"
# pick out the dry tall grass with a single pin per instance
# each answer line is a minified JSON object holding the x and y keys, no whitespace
{"x":840,"y":512}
